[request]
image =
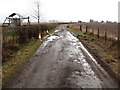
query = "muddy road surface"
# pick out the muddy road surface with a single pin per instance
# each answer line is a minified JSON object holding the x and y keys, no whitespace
{"x":62,"y":62}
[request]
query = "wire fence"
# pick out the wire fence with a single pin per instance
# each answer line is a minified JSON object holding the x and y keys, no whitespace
{"x":100,"y":32}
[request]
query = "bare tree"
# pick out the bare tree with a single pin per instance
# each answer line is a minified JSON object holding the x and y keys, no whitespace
{"x":36,"y":13}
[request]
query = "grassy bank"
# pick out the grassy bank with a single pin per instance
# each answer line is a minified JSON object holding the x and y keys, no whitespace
{"x":15,"y":37}
{"x":19,"y":59}
{"x":104,"y":51}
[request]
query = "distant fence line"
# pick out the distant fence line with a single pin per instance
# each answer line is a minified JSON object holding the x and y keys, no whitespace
{"x":98,"y":32}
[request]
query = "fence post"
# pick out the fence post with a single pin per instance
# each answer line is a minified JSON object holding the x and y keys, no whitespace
{"x":105,"y":35}
{"x":25,"y":34}
{"x":98,"y":33}
{"x":80,"y":27}
{"x":86,"y":29}
{"x":93,"y":31}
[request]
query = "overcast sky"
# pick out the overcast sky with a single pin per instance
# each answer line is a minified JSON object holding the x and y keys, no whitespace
{"x":72,"y":10}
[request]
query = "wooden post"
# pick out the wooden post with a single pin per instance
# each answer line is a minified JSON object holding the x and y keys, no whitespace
{"x":80,"y":27}
{"x":86,"y":29}
{"x":25,"y":34}
{"x":93,"y":31}
{"x":98,"y":33}
{"x":105,"y":35}
{"x":119,"y":53}
{"x":28,"y":23}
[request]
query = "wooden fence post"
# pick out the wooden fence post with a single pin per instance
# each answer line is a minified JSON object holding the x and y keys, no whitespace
{"x":93,"y":31}
{"x":98,"y":33}
{"x":105,"y":35}
{"x":80,"y":27}
{"x":86,"y":29}
{"x":25,"y":34}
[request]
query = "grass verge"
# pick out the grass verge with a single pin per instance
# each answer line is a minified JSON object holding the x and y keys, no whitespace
{"x":106,"y":52}
{"x":20,"y":58}
{"x":10,"y":67}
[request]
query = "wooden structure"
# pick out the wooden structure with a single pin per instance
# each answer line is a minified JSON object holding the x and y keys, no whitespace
{"x":15,"y":20}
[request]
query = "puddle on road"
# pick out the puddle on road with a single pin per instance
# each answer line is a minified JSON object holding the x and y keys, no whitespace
{"x":48,"y":40}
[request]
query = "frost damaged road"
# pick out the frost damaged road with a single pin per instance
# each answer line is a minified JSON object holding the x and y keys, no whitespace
{"x":63,"y":62}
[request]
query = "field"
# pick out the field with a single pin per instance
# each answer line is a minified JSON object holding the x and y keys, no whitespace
{"x":110,"y":28}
